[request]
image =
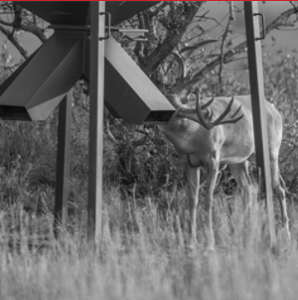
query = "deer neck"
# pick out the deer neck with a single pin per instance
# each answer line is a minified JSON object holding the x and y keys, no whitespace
{"x":179,"y":128}
{"x":183,"y":134}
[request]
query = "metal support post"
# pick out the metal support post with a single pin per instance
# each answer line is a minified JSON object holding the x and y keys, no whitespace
{"x":96,"y":120}
{"x":258,"y":107}
{"x":63,"y":163}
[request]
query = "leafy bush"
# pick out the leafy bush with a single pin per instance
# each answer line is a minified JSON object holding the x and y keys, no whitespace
{"x":281,"y":89}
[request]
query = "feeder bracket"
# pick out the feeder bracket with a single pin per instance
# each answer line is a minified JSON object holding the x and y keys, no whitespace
{"x":108,"y":27}
{"x":130,"y":31}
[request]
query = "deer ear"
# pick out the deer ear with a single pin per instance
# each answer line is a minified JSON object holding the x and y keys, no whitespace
{"x":175,"y":100}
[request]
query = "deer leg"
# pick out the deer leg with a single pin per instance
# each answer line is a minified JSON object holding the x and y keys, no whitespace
{"x":278,"y":186}
{"x":193,"y":178}
{"x":241,"y":174}
{"x":212,"y":172}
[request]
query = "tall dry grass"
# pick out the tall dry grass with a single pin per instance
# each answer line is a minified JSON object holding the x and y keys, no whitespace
{"x":142,"y":255}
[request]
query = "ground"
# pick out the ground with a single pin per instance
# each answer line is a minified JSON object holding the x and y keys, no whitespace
{"x":142,"y":255}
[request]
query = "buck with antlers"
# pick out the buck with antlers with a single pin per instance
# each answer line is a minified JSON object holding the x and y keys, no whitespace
{"x":220,"y":131}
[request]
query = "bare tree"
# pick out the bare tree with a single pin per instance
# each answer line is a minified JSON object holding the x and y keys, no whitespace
{"x":14,"y":19}
{"x":173,"y":27}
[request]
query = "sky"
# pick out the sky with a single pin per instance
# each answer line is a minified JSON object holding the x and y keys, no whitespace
{"x":274,"y":41}
{"x":285,"y":40}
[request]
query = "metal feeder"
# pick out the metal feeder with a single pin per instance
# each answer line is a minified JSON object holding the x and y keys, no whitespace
{"x":46,"y":79}
{"x":35,"y":89}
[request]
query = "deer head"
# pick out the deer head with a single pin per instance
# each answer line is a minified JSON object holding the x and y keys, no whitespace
{"x":203,"y":114}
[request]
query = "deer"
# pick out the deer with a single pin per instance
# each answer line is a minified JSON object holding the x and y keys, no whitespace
{"x":219,"y":130}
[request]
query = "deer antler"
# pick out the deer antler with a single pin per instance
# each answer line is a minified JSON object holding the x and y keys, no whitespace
{"x":206,"y":121}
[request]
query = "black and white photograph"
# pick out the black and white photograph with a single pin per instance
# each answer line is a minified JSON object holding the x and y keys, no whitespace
{"x":148,"y":150}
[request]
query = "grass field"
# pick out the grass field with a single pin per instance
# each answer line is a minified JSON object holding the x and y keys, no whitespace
{"x":142,"y":255}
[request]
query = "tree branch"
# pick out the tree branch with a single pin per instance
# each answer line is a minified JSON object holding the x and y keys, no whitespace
{"x":5,"y":23}
{"x":20,"y":23}
{"x":13,"y":39}
{"x":228,"y":56}
{"x":221,"y":53}
{"x":34,"y":29}
{"x":153,"y":60}
{"x":152,"y":13}
{"x":139,"y":48}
